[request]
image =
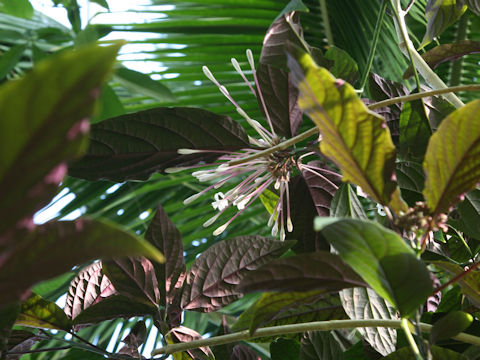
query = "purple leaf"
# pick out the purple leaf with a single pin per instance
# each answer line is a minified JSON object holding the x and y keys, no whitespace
{"x":163,"y":234}
{"x":134,"y":146}
{"x":280,"y":97}
{"x":88,"y":288}
{"x":212,"y":281}
{"x":183,"y":334}
{"x":243,"y":352}
{"x":319,"y":270}
{"x":134,"y":278}
{"x":19,"y":342}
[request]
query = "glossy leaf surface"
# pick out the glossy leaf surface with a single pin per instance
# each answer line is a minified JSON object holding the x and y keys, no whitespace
{"x":452,"y":164}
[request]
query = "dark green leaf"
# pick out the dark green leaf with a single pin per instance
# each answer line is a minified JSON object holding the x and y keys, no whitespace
{"x":134,"y":278}
{"x":451,"y":300}
{"x":38,"y":312}
{"x":88,"y":288}
{"x":18,"y":8}
{"x":470,"y":283}
{"x":318,"y":270}
{"x":450,"y":325}
{"x":364,"y":303}
{"x":282,"y":349}
{"x":447,"y":52}
{"x":438,"y":353}
{"x":163,"y":234}
{"x":356,"y":139}
{"x":344,"y":67}
{"x":458,"y":249}
{"x":52,"y":289}
{"x":134,"y":146}
{"x":345,"y":203}
{"x":43,"y":125}
{"x":440,"y":15}
{"x":275,"y":309}
{"x":469,"y":212}
{"x":414,"y":130}
{"x":410,"y":178}
{"x":143,"y":84}
{"x":451,"y":163}
{"x":212,"y":280}
{"x":8,"y":315}
{"x":320,"y":345}
{"x":51,"y":249}
{"x":9,"y":59}
{"x":109,"y":104}
{"x":473,"y":5}
{"x":377,"y":254}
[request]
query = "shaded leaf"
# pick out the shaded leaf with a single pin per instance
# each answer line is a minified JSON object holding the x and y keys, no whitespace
{"x":364,"y":303}
{"x":450,"y":325}
{"x":275,"y":309}
{"x":356,"y":139}
{"x":38,"y":312}
{"x":410,"y":178}
{"x":143,"y":84}
{"x":318,"y":270}
{"x":469,"y":284}
{"x":117,"y":306}
{"x":303,"y":211}
{"x":473,"y":5}
{"x":344,"y":67}
{"x":183,"y":334}
{"x":88,"y":288}
{"x":109,"y":104}
{"x":8,"y":315}
{"x":136,"y":337}
{"x":46,"y":119}
{"x":134,"y":278}
{"x":451,"y":300}
{"x":134,"y":146}
{"x":163,"y":234}
{"x":51,"y":249}
{"x":243,"y":352}
{"x":440,"y":15}
{"x":414,"y":130}
{"x":377,"y":253}
{"x":446,"y":52}
{"x":451,"y":163}
{"x":280,"y":97}
{"x":281,"y":349}
{"x":10,"y":58}
{"x":320,"y":345}
{"x":20,"y":341}
{"x":345,"y":203}
{"x":212,"y":280}
{"x":284,"y":29}
{"x":438,"y":353}
{"x":469,"y":212}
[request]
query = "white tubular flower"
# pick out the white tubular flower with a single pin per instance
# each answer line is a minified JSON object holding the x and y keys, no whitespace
{"x":257,"y":175}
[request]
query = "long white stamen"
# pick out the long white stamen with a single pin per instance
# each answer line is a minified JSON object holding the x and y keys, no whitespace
{"x":289,"y":219}
{"x":254,"y":124}
{"x":191,"y":198}
{"x":188,"y":151}
{"x":237,"y":67}
{"x":220,"y":230}
{"x":211,"y":220}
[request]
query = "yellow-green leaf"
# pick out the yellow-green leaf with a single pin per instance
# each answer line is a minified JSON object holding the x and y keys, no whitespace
{"x":38,"y":312}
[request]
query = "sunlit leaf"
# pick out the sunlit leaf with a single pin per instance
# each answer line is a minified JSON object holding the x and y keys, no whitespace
{"x":134,"y":146}
{"x":183,"y":334}
{"x":440,"y":15}
{"x":356,"y":139}
{"x":38,"y":312}
{"x":364,"y":303}
{"x":212,"y":280}
{"x":377,"y":254}
{"x":51,"y":249}
{"x":450,"y":325}
{"x":451,"y":163}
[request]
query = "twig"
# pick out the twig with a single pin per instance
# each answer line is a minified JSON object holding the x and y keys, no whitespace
{"x":456,"y":278}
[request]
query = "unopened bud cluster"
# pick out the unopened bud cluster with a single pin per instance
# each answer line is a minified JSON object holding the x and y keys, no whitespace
{"x":418,"y":220}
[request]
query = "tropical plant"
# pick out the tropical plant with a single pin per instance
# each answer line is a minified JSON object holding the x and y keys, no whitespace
{"x":340,"y":170}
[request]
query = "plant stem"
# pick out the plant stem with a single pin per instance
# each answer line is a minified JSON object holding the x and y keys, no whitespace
{"x":411,"y":340}
{"x":456,"y":278}
{"x":326,"y":22}
{"x":456,"y":70}
{"x":299,"y":328}
{"x":427,"y":73}
{"x":376,"y":35}
{"x":278,"y":147}
{"x":417,"y":96}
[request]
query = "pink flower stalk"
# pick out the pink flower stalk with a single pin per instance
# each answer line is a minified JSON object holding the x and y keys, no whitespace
{"x":259,"y":174}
